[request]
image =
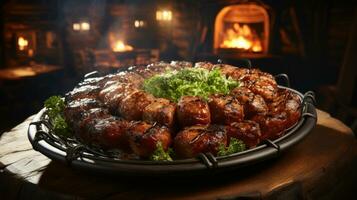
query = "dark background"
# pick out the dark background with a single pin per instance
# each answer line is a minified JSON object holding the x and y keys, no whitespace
{"x":319,"y":56}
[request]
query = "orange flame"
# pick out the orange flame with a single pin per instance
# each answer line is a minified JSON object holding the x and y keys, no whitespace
{"x":120,"y":46}
{"x":241,"y":37}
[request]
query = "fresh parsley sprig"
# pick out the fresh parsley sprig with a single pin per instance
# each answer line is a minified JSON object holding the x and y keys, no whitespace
{"x":54,"y":109}
{"x":234,"y":146}
{"x":160,"y":154}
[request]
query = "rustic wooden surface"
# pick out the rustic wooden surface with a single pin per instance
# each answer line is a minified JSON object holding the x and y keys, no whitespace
{"x":322,"y":166}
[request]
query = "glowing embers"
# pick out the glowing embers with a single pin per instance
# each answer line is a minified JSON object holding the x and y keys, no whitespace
{"x":241,"y":37}
{"x":120,"y":46}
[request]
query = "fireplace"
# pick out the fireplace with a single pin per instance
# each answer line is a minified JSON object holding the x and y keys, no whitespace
{"x":242,"y":28}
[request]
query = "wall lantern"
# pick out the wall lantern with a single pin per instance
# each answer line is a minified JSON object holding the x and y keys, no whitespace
{"x":139,"y":23}
{"x":82,"y":26}
{"x":163,"y":15}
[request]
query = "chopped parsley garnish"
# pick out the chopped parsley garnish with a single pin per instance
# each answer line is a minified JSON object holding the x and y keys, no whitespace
{"x":234,"y":146}
{"x":55,"y":106}
{"x":189,"y":82}
{"x":160,"y":154}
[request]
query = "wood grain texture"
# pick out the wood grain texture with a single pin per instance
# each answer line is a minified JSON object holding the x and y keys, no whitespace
{"x":321,"y":166}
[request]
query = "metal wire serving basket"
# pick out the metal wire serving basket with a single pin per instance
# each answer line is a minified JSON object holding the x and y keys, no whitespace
{"x":80,"y":156}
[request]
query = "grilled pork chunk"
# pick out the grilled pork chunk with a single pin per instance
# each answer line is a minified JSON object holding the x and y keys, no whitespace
{"x":192,"y":110}
{"x":144,"y":137}
{"x":193,"y":140}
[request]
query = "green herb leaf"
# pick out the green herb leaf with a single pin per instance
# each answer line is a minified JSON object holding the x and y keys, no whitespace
{"x":191,"y":81}
{"x":234,"y":146}
{"x":55,"y":106}
{"x":160,"y":154}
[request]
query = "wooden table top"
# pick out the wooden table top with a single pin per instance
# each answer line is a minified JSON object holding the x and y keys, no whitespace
{"x":26,"y":71}
{"x":323,"y":165}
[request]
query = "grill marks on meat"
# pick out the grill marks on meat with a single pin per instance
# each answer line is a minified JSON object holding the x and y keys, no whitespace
{"x":161,"y":111}
{"x":253,"y":112}
{"x":133,"y":105}
{"x":283,"y":113}
{"x":75,"y":109}
{"x":247,"y":131}
{"x":253,"y":103}
{"x":257,"y":81}
{"x":143,"y":138}
{"x":85,"y":91}
{"x":108,"y":132}
{"x":226,"y":109}
{"x":192,"y":110}
{"x":113,"y":94}
{"x":193,"y":140}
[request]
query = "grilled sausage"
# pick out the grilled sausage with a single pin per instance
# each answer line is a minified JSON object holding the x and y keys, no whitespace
{"x":133,"y":105}
{"x":283,"y":113}
{"x":193,"y":140}
{"x":253,"y":103}
{"x":192,"y":110}
{"x":81,"y":125}
{"x":85,"y":91}
{"x":113,"y":94}
{"x":108,"y":132}
{"x":161,"y":111}
{"x":74,"y":109}
{"x":247,"y":131}
{"x":260,"y":83}
{"x":143,"y":138}
{"x":205,"y":65}
{"x":225,"y":109}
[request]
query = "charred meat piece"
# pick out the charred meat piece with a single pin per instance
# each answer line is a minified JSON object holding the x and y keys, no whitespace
{"x":193,"y":140}
{"x":145,"y":71}
{"x":74,"y":110}
{"x":192,"y":110}
{"x":260,"y":83}
{"x":205,"y":65}
{"x":93,"y":81}
{"x":180,"y":65}
{"x":161,"y":111}
{"x":271,"y":125}
{"x":85,"y":91}
{"x":227,"y":70}
{"x":85,"y":118}
{"x":143,"y":138}
{"x":112,"y":95}
{"x":107,"y":132}
{"x":253,"y":103}
{"x":288,"y":102}
{"x":284,"y":112}
{"x":247,"y":131}
{"x":133,"y":105}
{"x":125,"y":77}
{"x":225,"y":109}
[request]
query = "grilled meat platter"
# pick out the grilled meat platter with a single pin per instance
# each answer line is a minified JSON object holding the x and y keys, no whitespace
{"x":181,"y":109}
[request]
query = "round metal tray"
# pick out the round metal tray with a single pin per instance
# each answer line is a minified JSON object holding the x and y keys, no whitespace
{"x":79,"y":156}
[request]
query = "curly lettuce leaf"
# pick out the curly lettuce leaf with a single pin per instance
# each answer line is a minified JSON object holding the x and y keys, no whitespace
{"x":191,"y":81}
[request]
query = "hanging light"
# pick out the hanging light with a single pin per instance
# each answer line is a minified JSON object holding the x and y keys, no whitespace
{"x":163,"y":15}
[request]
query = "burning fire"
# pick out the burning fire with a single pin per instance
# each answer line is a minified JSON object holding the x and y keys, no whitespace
{"x":120,"y":46}
{"x":241,"y":37}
